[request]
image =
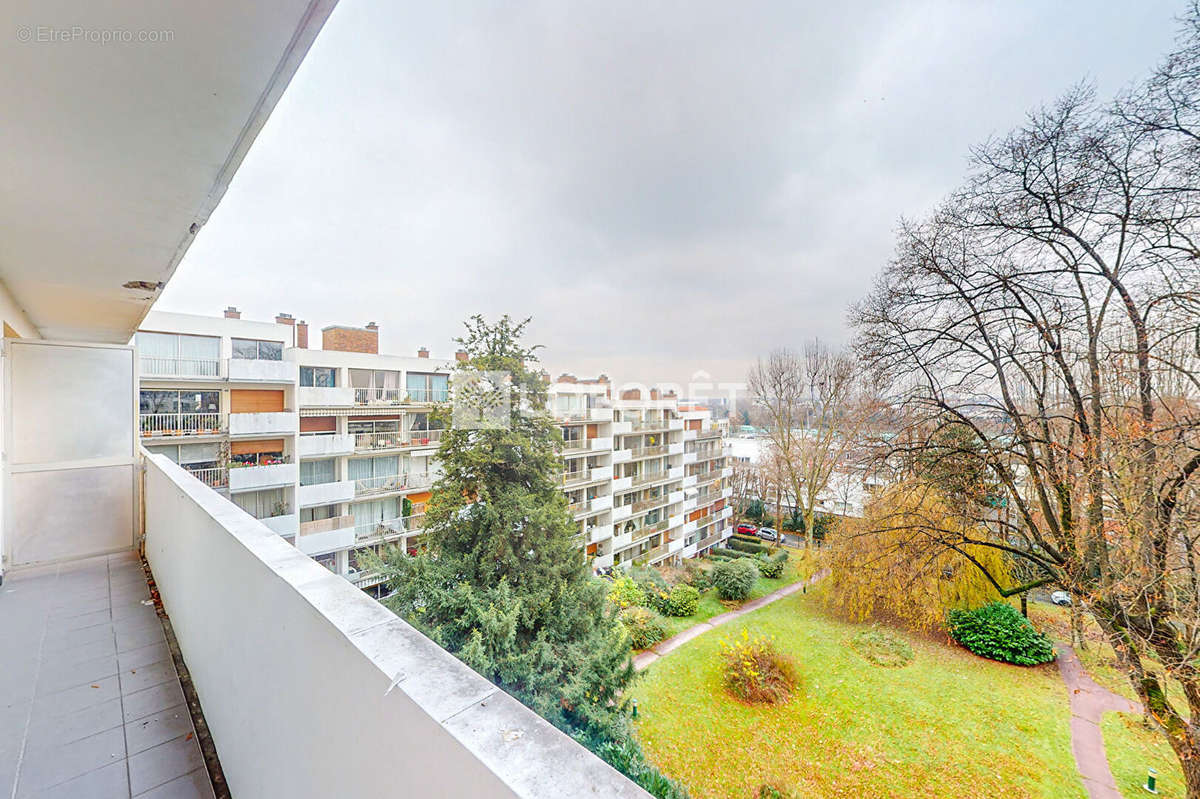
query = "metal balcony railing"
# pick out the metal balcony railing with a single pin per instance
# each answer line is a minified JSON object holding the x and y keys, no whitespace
{"x":649,"y":425}
{"x":180,"y":424}
{"x":213,"y":476}
{"x":575,"y":444}
{"x":389,"y":528}
{"x":652,"y":502}
{"x":152,"y":366}
{"x":393,"y":482}
{"x":578,"y":476}
{"x":397,"y":439}
{"x":650,"y":477}
{"x":379,"y":396}
{"x":650,"y":529}
{"x":649,"y":452}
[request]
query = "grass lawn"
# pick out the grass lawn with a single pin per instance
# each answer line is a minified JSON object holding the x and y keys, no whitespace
{"x":800,"y":566}
{"x":1132,"y":748}
{"x":947,"y":724}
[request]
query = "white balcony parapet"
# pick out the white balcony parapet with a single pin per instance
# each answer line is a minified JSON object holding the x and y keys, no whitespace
{"x":411,"y":481}
{"x":325,"y":396}
{"x":284,"y":524}
{"x":308,"y":496}
{"x":253,"y":478}
{"x":326,"y":535}
{"x":601,"y":443}
{"x":676,"y":448}
{"x":261,"y":424}
{"x":256,"y":371}
{"x":278,"y":623}
{"x":324,"y":445}
{"x":621,"y":512}
{"x":689,"y":435}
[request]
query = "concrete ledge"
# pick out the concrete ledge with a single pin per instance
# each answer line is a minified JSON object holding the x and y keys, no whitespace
{"x":313,"y":689}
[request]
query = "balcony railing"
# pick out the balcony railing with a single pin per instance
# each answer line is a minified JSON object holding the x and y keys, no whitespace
{"x":326,"y":525}
{"x":428,"y":395}
{"x":709,"y":432}
{"x":574,"y":444}
{"x":579,"y":476}
{"x":381,"y":396}
{"x":708,"y":477}
{"x":179,"y":367}
{"x":658,"y":552}
{"x":389,"y":528}
{"x":708,"y":454}
{"x":397,"y":439}
{"x":649,"y":452}
{"x":213,"y":477}
{"x":648,"y":425}
{"x":652,"y":502}
{"x":650,"y":477}
{"x":180,"y":424}
{"x":650,"y":529}
{"x":393,"y":482}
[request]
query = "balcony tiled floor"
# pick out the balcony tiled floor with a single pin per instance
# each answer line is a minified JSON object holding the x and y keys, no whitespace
{"x":90,"y":704}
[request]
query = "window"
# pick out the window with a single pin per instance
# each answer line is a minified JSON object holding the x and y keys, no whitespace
{"x":370,"y":468}
{"x":319,"y":513}
{"x":151,"y":402}
{"x":376,"y":384}
{"x":181,"y":355}
{"x":318,"y":377}
{"x":428,"y":387}
{"x":369,"y":514}
{"x":318,"y":472}
{"x":262,"y":504}
{"x":255,"y":350}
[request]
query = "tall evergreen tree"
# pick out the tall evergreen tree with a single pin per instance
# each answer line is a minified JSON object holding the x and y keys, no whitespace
{"x":501,"y":581}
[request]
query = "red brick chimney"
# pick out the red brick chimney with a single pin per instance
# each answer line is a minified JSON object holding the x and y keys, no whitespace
{"x":284,"y":319}
{"x":423,"y":352}
{"x":461,"y":356}
{"x":339,"y":338}
{"x":232,"y":313}
{"x":302,"y":334}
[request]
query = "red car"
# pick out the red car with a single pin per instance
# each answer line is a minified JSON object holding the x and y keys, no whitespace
{"x":747,"y":529}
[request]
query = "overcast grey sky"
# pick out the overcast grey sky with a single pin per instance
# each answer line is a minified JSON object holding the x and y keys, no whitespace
{"x":664,"y":187}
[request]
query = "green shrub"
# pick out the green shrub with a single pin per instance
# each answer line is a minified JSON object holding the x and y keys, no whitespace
{"x":734,"y":579}
{"x":696,"y":575}
{"x":680,"y":600}
{"x":649,"y":580}
{"x":882,"y":647}
{"x":646,"y":628}
{"x":999,"y":632}
{"x":755,"y":671}
{"x":625,"y":593}
{"x":744,"y":546}
{"x":772,"y":567}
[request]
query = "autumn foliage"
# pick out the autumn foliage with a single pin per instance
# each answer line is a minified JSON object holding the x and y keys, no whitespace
{"x":904,"y":561}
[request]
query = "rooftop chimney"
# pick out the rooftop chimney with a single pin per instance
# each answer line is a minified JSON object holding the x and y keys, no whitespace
{"x":285,"y":319}
{"x":566,"y":377}
{"x":421,"y":353}
{"x":460,"y":356}
{"x":302,"y":334}
{"x":372,"y":326}
{"x":340,"y":338}
{"x":232,"y":313}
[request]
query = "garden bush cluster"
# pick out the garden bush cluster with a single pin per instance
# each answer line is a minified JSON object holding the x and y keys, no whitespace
{"x":680,"y":600}
{"x":756,"y":671}
{"x":646,"y":628}
{"x":999,"y":632}
{"x":734,"y":579}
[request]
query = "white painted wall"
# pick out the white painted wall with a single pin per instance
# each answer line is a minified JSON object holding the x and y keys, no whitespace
{"x":268,"y":633}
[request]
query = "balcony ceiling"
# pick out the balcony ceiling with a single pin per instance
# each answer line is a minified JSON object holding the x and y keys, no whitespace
{"x":113,"y":155}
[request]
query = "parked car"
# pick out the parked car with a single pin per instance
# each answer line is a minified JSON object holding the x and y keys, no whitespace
{"x":768,"y":534}
{"x":1061,"y":598}
{"x":747,"y":529}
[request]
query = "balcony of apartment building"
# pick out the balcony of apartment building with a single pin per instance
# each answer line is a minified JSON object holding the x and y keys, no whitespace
{"x":324,"y":444}
{"x":377,"y":532}
{"x":319,"y":388}
{"x":396,"y":440}
{"x":639,"y":453}
{"x":318,"y":536}
{"x":307,"y":687}
{"x":174,"y":413}
{"x":393,"y":483}
{"x":320,"y":484}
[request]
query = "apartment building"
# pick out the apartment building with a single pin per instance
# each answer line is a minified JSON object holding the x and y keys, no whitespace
{"x":644,"y":473}
{"x":335,"y":448}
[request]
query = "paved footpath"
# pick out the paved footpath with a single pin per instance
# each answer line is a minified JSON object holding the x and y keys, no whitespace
{"x":1089,"y":702}
{"x":648,"y":656}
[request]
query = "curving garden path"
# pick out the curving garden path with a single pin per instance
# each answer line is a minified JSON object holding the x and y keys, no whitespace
{"x":648,"y":656}
{"x":1089,"y":702}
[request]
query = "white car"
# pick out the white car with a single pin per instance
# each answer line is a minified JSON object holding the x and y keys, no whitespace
{"x":767,"y":534}
{"x":1061,"y":598}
